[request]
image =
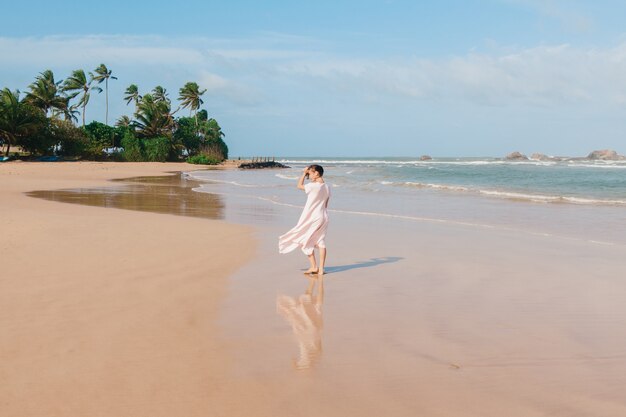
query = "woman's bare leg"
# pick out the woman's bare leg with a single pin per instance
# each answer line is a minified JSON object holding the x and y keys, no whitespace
{"x":322,"y":261}
{"x":313,"y":268}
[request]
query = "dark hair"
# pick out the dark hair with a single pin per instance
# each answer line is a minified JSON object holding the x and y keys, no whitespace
{"x":318,"y":169}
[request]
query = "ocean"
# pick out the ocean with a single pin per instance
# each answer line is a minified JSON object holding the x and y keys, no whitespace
{"x":575,"y":199}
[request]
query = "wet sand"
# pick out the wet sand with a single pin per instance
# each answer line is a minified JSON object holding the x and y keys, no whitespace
{"x":429,"y":319}
{"x":170,"y":194}
{"x":434,"y":321}
{"x":416,"y":318}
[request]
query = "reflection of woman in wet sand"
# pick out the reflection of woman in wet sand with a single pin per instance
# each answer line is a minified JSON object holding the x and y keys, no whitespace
{"x":310,"y":231}
{"x":305,"y":317}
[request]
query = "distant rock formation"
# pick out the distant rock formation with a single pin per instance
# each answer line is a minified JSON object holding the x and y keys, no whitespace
{"x":426,"y":158}
{"x":605,"y":155}
{"x":516,"y":156}
{"x":540,"y":157}
{"x":258,"y":165}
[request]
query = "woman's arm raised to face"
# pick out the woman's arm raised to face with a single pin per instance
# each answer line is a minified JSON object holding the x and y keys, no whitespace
{"x":301,"y":180}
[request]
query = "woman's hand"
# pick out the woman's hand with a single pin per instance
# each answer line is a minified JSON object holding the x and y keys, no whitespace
{"x":305,"y":174}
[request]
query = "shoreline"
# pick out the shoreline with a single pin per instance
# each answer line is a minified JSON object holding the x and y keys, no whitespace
{"x":106,"y":311}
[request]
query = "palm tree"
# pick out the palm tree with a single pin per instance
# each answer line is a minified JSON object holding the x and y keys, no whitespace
{"x":154,"y":118}
{"x":160,"y":94}
{"x":77,"y":83}
{"x":17,"y":118}
{"x":103,"y":74}
{"x":70,"y":113}
{"x":45,"y":94}
{"x":189,"y":96}
{"x":132,"y":94}
{"x":124,"y":121}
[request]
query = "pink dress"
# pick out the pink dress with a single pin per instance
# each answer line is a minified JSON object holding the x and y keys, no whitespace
{"x":311,"y":228}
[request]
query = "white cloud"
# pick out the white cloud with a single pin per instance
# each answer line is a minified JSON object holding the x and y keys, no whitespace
{"x":544,"y":75}
{"x":77,"y":51}
{"x":246,"y":74}
{"x":233,"y":91}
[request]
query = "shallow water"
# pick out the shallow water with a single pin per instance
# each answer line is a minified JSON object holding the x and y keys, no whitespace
{"x":375,"y":189}
{"x":170,"y":194}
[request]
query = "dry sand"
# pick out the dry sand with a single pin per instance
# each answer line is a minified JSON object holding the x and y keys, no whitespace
{"x":108,"y":312}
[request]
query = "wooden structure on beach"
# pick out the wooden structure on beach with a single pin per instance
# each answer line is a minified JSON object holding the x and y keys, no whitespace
{"x":263,"y":159}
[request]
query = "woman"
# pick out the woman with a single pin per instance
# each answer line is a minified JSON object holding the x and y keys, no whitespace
{"x":310,"y":231}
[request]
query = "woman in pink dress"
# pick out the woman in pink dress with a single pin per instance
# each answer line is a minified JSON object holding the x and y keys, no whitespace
{"x":310,"y":231}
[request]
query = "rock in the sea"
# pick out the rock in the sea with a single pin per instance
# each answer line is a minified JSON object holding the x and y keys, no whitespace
{"x":425,"y":158}
{"x":257,"y":165}
{"x":605,"y":155}
{"x":516,"y":156}
{"x":540,"y":157}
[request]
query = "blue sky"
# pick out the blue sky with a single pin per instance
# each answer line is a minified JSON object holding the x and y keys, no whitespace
{"x":348,"y":78}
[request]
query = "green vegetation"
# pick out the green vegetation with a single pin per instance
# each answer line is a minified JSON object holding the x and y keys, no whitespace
{"x":190,"y":97}
{"x":199,"y":135}
{"x":203,"y":160}
{"x":44,"y":122}
{"x":78,"y":83}
{"x":103,"y":74}
{"x":46,"y":94}
{"x":19,"y":120}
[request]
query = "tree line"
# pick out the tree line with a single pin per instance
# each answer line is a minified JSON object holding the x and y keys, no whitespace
{"x":45,"y":121}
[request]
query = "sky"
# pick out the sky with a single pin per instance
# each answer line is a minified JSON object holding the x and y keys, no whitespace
{"x":350,"y":78}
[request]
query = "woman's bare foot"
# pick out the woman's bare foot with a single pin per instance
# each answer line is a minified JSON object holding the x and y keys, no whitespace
{"x":320,"y":272}
{"x":311,"y":271}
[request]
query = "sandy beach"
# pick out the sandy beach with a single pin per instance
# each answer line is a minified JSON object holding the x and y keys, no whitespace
{"x":110,"y":312}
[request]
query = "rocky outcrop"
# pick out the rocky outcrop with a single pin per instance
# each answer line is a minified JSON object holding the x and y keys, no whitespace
{"x":516,"y":156}
{"x":540,"y":157}
{"x":426,"y":158}
{"x":605,"y":155}
{"x":257,"y":165}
